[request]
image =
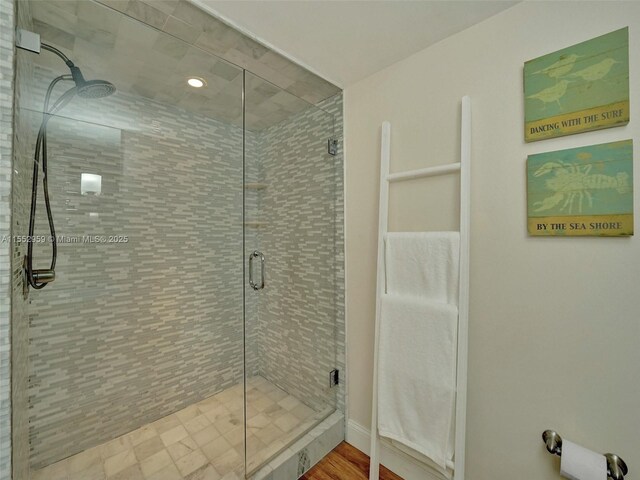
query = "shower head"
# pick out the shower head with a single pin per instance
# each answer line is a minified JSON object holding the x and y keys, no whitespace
{"x":91,"y":88}
{"x":95,"y":89}
{"x":84,"y":88}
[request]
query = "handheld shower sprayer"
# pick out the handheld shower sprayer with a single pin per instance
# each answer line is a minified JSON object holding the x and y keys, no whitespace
{"x":39,"y":278}
{"x":84,"y":88}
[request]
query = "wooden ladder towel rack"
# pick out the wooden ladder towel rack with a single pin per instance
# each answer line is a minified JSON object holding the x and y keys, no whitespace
{"x":457,"y":465}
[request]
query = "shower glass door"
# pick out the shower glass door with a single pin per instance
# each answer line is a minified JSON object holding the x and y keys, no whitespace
{"x":290,"y":268}
{"x":136,"y":349}
{"x":190,"y":331}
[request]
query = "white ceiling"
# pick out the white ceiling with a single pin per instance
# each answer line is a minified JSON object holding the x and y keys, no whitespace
{"x":345,"y":41}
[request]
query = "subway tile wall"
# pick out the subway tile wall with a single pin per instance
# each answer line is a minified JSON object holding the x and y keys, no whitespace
{"x":6,"y":140}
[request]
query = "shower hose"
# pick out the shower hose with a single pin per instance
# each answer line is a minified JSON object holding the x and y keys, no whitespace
{"x":40,"y":159}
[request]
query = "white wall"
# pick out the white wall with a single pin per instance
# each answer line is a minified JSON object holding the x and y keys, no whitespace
{"x":554,"y":322}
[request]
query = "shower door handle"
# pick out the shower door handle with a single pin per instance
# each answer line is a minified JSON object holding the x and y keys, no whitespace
{"x":253,"y":284}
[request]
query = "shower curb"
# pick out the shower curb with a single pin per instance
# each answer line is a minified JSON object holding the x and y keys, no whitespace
{"x":296,"y":460}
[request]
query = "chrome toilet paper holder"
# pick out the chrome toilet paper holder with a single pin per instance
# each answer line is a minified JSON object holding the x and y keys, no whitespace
{"x":616,"y":468}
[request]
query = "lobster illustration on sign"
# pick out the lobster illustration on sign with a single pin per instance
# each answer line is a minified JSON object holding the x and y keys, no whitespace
{"x":573,"y":183}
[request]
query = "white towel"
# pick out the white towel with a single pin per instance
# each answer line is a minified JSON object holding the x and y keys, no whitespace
{"x":446,"y":473}
{"x":423,"y":264}
{"x":417,"y":374}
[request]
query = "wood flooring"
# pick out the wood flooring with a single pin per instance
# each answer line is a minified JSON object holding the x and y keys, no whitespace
{"x":345,"y":462}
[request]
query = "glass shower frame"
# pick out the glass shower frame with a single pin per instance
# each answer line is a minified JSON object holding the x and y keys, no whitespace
{"x":321,"y":353}
{"x":290,"y":235}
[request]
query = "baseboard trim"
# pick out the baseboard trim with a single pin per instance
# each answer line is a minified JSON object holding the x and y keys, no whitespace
{"x":398,"y":462}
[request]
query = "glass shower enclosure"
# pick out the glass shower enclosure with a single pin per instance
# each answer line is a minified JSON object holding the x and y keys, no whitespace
{"x":290,"y":241}
{"x":191,"y":326}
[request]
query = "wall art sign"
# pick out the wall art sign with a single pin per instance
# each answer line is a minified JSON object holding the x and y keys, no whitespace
{"x":578,"y":89}
{"x":581,"y":191}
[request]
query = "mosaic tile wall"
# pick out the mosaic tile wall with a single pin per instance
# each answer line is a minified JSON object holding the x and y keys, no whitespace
{"x":6,"y":134}
{"x":21,"y":200}
{"x":301,"y":309}
{"x":130,"y":332}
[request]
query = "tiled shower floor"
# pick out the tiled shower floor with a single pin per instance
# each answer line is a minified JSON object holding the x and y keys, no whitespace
{"x":201,"y":442}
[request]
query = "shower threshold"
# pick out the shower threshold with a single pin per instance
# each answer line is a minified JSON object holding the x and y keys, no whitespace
{"x":204,"y":441}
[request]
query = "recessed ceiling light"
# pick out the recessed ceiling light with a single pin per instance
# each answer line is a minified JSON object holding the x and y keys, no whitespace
{"x":196,"y":82}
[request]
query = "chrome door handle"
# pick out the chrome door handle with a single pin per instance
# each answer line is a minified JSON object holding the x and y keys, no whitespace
{"x":253,"y":284}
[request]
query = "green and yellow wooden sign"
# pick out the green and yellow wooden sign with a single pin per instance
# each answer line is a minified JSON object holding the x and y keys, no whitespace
{"x":578,"y":89}
{"x":581,"y":191}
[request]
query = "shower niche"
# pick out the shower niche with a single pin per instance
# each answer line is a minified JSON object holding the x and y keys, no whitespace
{"x":153,"y":352}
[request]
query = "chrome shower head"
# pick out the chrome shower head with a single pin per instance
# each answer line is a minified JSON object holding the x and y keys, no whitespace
{"x":95,"y":89}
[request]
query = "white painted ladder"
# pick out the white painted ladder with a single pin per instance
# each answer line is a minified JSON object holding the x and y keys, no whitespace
{"x":463,"y":300}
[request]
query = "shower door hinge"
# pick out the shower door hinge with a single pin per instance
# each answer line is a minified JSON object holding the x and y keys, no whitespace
{"x":332,"y":146}
{"x":334,"y":377}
